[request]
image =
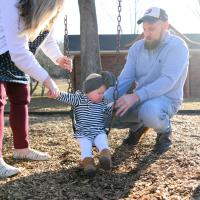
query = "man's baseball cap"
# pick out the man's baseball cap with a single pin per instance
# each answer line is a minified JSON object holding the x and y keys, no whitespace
{"x":153,"y":14}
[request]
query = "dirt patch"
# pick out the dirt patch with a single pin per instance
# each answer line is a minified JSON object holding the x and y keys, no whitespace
{"x":137,"y":173}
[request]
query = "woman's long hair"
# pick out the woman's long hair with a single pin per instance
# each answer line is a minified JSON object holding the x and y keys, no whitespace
{"x":38,"y":15}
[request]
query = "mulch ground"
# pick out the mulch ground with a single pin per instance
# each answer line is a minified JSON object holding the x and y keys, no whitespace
{"x":137,"y":173}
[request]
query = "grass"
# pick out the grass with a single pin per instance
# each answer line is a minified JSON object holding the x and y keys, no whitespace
{"x":44,"y":104}
{"x":191,"y":103}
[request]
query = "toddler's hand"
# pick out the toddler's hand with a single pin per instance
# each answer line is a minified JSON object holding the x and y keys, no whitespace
{"x":53,"y":88}
{"x":53,"y":95}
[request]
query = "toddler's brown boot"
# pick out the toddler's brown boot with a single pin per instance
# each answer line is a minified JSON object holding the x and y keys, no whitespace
{"x":89,"y":166}
{"x":105,"y":159}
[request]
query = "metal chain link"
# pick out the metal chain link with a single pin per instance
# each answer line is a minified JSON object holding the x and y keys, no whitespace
{"x":69,"y":78}
{"x":66,"y":38}
{"x":116,"y":92}
{"x":117,"y":63}
{"x":66,"y":52}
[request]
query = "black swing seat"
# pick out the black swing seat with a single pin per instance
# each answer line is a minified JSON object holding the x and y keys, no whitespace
{"x":122,"y":122}
{"x":123,"y":125}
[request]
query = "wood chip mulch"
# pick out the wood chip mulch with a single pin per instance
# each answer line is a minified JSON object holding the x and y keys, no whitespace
{"x":137,"y":173}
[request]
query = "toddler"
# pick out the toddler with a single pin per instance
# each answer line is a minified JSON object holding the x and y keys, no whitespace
{"x":90,"y":109}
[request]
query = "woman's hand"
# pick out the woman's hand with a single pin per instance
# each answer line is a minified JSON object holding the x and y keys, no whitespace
{"x":65,"y":63}
{"x":53,"y":88}
{"x":125,"y":102}
{"x":49,"y":94}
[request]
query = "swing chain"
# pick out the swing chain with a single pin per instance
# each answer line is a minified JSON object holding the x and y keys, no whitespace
{"x":69,"y":78}
{"x":66,"y":38}
{"x":116,"y":92}
{"x":66,"y":51}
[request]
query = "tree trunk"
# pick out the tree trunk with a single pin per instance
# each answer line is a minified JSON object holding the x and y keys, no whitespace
{"x":90,"y":57}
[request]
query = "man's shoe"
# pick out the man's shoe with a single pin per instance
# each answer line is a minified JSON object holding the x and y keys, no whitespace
{"x":163,"y":142}
{"x":134,"y":136}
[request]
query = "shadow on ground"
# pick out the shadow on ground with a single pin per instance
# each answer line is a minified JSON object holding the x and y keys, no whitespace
{"x":196,"y":194}
{"x":73,"y":184}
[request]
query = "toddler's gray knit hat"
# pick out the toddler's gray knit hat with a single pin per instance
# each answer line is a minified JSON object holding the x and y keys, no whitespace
{"x":95,"y":81}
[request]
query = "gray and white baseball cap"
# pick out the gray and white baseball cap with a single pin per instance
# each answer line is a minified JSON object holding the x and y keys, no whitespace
{"x":153,"y":14}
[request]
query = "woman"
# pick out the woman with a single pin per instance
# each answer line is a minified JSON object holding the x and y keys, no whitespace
{"x":25,"y":25}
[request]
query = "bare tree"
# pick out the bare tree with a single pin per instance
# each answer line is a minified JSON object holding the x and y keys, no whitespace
{"x":90,"y":57}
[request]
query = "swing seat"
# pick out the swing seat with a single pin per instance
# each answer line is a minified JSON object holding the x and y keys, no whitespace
{"x":122,"y":122}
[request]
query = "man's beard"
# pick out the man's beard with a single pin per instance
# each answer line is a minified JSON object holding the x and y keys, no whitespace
{"x":150,"y":45}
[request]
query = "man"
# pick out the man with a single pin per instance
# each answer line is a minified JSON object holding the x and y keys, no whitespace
{"x":158,"y":64}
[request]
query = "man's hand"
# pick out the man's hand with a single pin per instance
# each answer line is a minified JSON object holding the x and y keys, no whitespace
{"x":65,"y":63}
{"x":125,"y":102}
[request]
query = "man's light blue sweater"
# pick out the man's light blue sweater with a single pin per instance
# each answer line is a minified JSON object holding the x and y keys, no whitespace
{"x":158,"y":72}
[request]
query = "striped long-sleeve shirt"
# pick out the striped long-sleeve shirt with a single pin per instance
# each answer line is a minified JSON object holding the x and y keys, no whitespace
{"x":89,"y":117}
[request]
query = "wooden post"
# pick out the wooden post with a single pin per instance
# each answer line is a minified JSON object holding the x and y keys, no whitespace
{"x":90,"y":56}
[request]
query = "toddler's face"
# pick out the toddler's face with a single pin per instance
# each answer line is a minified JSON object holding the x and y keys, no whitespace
{"x":96,"y":96}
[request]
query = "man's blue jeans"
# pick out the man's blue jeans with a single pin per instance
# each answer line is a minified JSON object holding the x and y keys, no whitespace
{"x":154,"y":113}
